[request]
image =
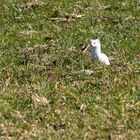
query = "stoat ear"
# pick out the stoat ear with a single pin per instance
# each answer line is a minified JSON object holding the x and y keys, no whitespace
{"x":98,"y":41}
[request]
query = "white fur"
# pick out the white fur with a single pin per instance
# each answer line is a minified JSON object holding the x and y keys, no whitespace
{"x":96,"y":52}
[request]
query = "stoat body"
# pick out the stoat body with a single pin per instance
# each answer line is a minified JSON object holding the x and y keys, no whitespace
{"x":96,"y":53}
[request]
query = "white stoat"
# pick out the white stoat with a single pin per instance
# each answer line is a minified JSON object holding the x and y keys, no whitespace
{"x":95,"y":51}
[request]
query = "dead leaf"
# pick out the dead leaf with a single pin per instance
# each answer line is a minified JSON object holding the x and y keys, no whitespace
{"x":129,"y":18}
{"x":72,"y":49}
{"x":118,"y":137}
{"x":7,"y":81}
{"x":88,"y":71}
{"x":33,"y":4}
{"x":58,"y":127}
{"x":39,"y":100}
{"x":82,"y":30}
{"x":27,"y":33}
{"x":62,"y":19}
{"x":41,"y":47}
{"x":67,"y":15}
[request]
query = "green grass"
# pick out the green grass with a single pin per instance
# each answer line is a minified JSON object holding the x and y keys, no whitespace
{"x":44,"y":92}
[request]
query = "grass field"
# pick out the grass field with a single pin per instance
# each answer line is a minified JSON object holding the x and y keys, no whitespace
{"x":49,"y":89}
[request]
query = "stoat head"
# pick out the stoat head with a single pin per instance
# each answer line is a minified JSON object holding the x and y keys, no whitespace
{"x":94,"y":43}
{"x":91,"y":44}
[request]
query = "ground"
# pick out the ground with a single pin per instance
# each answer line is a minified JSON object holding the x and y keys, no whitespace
{"x":50,"y":89}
